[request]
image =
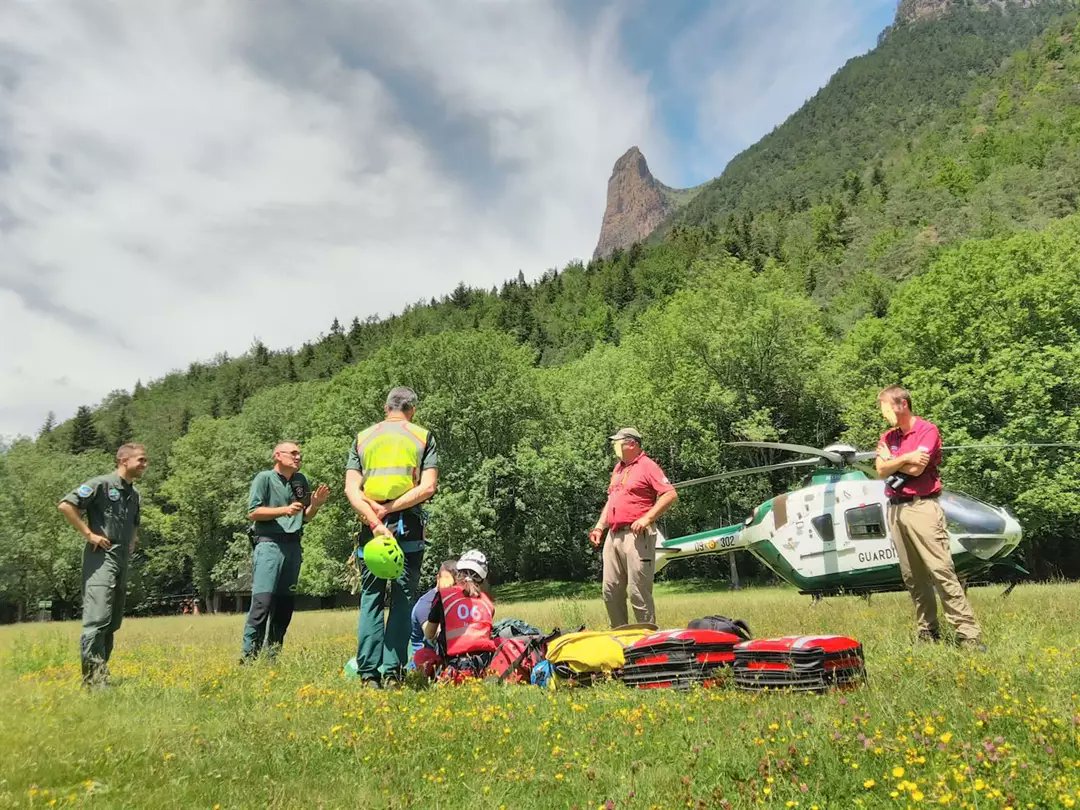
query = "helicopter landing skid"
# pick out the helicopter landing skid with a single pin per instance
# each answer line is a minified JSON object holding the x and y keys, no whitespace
{"x":865,"y":593}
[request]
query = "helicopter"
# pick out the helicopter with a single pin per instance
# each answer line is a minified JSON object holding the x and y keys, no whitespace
{"x":831,"y":535}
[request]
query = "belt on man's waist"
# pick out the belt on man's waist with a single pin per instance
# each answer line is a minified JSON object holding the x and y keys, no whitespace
{"x":895,"y":499}
{"x":283,"y":537}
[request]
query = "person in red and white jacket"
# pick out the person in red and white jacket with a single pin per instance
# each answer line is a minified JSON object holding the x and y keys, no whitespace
{"x":461,"y":615}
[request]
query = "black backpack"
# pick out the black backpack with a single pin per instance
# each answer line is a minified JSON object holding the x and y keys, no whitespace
{"x":723,"y":624}
{"x":512,"y":628}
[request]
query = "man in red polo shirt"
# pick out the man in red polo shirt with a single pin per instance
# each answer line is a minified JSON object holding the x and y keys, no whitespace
{"x":908,"y":459}
{"x":638,"y":494}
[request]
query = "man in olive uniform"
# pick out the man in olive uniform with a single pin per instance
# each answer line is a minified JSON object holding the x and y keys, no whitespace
{"x":111,"y":506}
{"x":391,"y":470}
{"x":279,"y":504}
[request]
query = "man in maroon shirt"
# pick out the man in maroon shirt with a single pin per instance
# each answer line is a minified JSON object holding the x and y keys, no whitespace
{"x":638,"y":494}
{"x":908,"y":456}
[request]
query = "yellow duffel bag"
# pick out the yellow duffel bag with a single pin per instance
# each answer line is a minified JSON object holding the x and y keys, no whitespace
{"x":589,"y":654}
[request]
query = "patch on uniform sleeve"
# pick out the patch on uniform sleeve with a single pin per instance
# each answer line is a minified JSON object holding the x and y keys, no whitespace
{"x":85,"y":491}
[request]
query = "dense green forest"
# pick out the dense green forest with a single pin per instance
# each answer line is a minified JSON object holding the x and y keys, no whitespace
{"x":931,"y":239}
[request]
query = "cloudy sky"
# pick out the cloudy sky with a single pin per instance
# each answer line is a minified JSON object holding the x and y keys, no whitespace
{"x":179,"y":178}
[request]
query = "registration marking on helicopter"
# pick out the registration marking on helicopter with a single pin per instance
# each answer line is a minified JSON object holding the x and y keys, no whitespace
{"x":710,"y":545}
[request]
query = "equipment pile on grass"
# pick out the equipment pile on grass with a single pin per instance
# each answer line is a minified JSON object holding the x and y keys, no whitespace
{"x":644,"y":657}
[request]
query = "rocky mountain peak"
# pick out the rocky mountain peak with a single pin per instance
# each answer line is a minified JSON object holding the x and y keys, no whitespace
{"x":636,"y":204}
{"x":910,"y":11}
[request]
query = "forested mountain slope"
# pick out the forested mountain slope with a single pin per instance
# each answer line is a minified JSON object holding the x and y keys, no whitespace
{"x":919,"y":73}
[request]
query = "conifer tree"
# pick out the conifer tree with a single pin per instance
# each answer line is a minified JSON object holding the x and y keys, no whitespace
{"x":84,"y":435}
{"x":48,"y":426}
{"x":123,"y":430}
{"x":185,"y":420}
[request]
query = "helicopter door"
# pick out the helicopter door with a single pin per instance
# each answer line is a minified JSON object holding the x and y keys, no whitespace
{"x":866,"y":527}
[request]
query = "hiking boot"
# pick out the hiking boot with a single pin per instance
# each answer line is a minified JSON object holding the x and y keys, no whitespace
{"x":928,"y":637}
{"x":97,"y":684}
{"x":95,"y":676}
{"x":971,"y":645}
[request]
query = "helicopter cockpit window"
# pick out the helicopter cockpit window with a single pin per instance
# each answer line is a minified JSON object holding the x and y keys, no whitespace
{"x":823,"y":526}
{"x":865,"y":522}
{"x":967,"y":515}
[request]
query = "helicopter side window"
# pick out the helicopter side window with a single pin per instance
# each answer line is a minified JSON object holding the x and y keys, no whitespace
{"x":823,"y":526}
{"x":865,"y":522}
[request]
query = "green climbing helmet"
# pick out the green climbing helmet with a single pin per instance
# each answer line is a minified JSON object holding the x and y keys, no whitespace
{"x":384,"y":557}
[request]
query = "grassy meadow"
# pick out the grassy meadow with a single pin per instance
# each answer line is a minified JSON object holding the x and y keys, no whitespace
{"x":186,"y":727}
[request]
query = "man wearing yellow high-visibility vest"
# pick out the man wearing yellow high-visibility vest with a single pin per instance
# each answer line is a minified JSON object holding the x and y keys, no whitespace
{"x":392,"y":469}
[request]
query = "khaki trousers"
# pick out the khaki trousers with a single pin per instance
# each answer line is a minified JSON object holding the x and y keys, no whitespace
{"x":630,"y":559}
{"x":921,"y":539}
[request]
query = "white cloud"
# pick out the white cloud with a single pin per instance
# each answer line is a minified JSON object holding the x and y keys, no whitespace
{"x":184,"y":176}
{"x":179,"y":177}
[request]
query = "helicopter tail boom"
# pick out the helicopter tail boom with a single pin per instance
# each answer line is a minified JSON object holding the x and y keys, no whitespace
{"x":714,"y":541}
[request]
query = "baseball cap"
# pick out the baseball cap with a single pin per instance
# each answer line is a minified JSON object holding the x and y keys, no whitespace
{"x":473,"y":560}
{"x":626,"y":433}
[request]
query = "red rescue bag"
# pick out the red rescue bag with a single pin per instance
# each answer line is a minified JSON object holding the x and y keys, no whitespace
{"x":799,"y":662}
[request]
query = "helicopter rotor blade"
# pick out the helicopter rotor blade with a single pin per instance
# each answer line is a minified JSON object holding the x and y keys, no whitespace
{"x":863,"y":460}
{"x":1005,"y":446}
{"x":835,"y":458}
{"x":806,"y":462}
{"x":869,"y":469}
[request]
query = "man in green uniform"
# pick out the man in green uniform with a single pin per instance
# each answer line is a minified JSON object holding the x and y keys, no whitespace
{"x":391,"y":470}
{"x":279,"y":504}
{"x":111,"y":506}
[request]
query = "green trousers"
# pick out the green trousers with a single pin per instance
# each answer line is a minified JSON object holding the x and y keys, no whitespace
{"x":104,"y":583}
{"x":384,"y":648}
{"x":273,"y":594}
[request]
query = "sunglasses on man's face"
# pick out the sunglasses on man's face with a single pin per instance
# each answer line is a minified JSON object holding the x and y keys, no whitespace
{"x":472,"y":576}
